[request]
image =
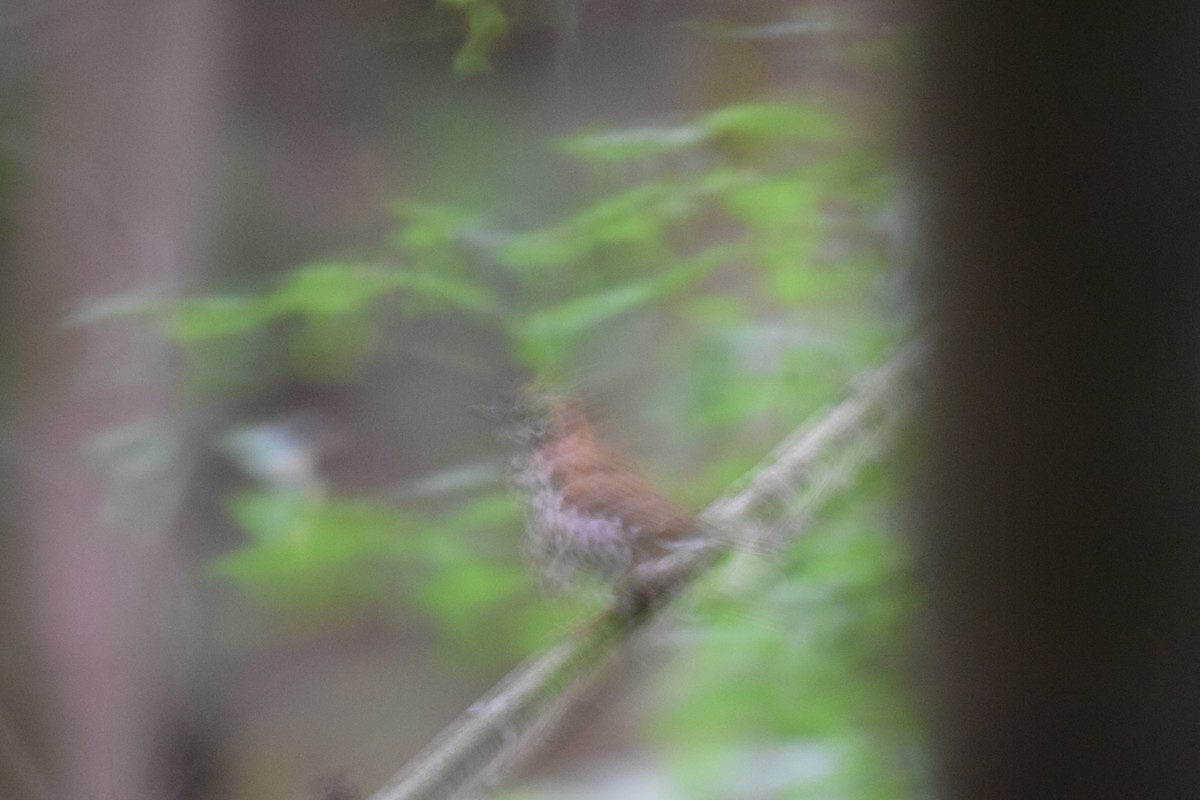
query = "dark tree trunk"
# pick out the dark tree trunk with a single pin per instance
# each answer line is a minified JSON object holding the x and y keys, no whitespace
{"x":1061,"y":525}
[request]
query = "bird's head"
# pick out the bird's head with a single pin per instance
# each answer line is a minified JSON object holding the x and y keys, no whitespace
{"x":533,"y":416}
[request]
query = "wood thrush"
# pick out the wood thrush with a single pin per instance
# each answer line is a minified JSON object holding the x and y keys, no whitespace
{"x":586,"y":509}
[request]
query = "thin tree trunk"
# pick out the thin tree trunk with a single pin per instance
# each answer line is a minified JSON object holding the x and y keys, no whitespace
{"x":126,"y":115}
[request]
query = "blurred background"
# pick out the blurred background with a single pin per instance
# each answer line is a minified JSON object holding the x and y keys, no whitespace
{"x":261,"y":261}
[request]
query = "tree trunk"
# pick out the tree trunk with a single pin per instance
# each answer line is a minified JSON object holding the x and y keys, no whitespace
{"x":127,"y":105}
{"x":1061,"y":522}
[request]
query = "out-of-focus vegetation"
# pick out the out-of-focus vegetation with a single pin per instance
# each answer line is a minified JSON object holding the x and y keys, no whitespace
{"x":792,"y":687}
{"x":732,"y":263}
{"x":718,"y":276}
{"x":729,"y":262}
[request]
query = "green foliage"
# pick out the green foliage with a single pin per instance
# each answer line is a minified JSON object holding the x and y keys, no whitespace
{"x":309,"y":552}
{"x":637,"y":143}
{"x":337,"y":290}
{"x":757,"y":288}
{"x":725,"y":266}
{"x":486,"y":25}
{"x":811,"y":657}
{"x":774,"y":217}
{"x":719,"y":270}
{"x":751,"y":124}
{"x":549,"y":336}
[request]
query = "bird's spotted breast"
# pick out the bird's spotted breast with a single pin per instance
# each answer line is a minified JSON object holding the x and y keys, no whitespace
{"x":585,"y":508}
{"x":561,"y":538}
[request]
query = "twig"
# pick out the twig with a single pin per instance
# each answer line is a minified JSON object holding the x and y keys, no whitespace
{"x":496,"y":732}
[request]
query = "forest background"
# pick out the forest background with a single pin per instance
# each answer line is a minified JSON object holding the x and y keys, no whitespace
{"x":267,"y":258}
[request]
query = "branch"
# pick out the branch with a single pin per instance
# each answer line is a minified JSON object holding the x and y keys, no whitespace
{"x":509,"y":723}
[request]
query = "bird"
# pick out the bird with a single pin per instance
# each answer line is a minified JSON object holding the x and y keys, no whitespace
{"x":587,"y":510}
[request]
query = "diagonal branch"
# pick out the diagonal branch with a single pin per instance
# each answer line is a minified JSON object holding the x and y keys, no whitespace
{"x":506,"y":725}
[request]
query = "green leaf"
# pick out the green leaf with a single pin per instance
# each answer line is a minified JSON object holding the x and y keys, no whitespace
{"x":785,"y":202}
{"x":636,"y":215}
{"x":216,"y":317}
{"x":785,"y":121}
{"x":633,"y":143}
{"x":544,"y":337}
{"x":327,"y":289}
{"x":486,"y":24}
{"x":490,"y":512}
{"x":582,"y":313}
{"x":458,"y":594}
{"x":575,"y":316}
{"x":330,"y":347}
{"x":273,"y":516}
{"x":445,"y":291}
{"x":774,"y":121}
{"x":718,"y":310}
{"x":334,"y":297}
{"x":428,"y":226}
{"x":312,"y":551}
